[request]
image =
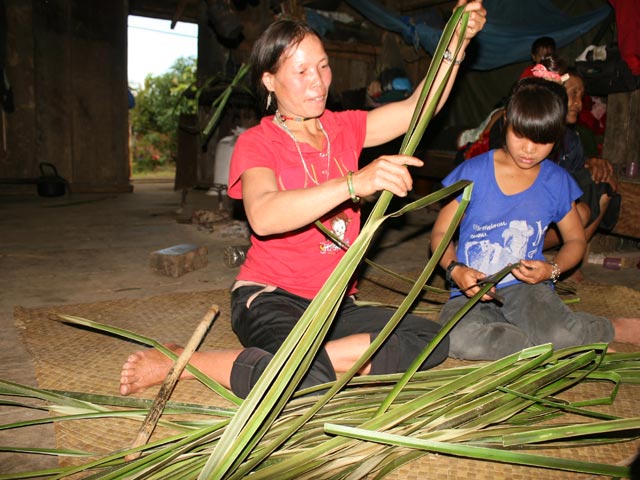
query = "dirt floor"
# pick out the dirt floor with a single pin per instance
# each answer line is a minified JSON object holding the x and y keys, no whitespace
{"x":93,"y":247}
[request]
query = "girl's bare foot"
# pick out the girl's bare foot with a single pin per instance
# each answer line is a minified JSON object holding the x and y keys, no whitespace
{"x":627,"y":330}
{"x":145,"y":368}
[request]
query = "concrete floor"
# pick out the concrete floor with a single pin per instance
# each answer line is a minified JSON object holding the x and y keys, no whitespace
{"x":93,"y":247}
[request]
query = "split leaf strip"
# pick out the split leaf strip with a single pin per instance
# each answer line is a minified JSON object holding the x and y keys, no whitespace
{"x":479,"y":453}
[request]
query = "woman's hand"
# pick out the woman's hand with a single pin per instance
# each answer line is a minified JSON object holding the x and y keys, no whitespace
{"x":388,"y":172}
{"x":601,"y":171}
{"x":477,"y":17}
{"x":533,"y":271}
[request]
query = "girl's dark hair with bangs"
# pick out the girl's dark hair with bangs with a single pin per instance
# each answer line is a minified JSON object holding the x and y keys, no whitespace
{"x":537,"y":110}
{"x":267,"y":52}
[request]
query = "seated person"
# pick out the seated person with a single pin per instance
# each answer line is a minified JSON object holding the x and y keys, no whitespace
{"x":599,"y":205}
{"x":517,"y":193}
{"x":591,"y":124}
{"x":540,"y":48}
{"x":392,"y":85}
{"x":298,"y":165}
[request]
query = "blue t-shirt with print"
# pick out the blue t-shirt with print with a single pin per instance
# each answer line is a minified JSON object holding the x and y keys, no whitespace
{"x":499,"y":229}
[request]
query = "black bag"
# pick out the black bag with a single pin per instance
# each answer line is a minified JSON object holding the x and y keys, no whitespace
{"x":612,"y":75}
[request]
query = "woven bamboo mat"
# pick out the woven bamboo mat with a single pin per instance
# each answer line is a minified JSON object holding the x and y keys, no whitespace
{"x":80,"y":360}
{"x":76,"y":359}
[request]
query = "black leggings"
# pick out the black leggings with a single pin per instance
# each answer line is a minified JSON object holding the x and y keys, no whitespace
{"x":263,"y":326}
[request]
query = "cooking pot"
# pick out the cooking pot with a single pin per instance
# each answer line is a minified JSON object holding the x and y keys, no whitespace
{"x":50,"y":184}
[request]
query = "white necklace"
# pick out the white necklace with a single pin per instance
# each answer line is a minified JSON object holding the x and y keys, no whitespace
{"x":313,"y":178}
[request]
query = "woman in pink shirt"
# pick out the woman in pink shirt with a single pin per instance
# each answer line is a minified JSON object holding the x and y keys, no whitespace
{"x":299,"y":165}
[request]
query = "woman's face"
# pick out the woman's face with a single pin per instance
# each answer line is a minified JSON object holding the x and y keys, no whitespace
{"x":301,"y":84}
{"x":575,"y":92}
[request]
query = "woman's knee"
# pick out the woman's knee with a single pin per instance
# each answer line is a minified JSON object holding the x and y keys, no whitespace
{"x":252,"y":362}
{"x":404,"y":346}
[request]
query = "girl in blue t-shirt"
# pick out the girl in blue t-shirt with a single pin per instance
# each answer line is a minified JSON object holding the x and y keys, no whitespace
{"x":517,"y":193}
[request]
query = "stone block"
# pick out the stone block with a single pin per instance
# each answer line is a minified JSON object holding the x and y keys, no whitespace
{"x":177,"y":260}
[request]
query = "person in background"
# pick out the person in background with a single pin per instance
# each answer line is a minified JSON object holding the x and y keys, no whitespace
{"x":299,"y":165}
{"x":540,"y":48}
{"x":392,"y":85}
{"x":600,"y":203}
{"x":593,"y":121}
{"x":517,"y":194}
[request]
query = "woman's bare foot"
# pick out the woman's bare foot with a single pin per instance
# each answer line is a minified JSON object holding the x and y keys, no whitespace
{"x":627,"y":330}
{"x":145,"y":368}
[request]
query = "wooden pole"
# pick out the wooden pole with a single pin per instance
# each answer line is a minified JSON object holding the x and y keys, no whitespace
{"x":169,"y":383}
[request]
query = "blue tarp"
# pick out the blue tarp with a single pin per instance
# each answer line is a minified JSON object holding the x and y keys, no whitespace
{"x":511,"y":28}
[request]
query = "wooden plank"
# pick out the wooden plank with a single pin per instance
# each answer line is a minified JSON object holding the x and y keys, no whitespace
{"x":629,"y":220}
{"x":98,"y":95}
{"x":622,"y":145}
{"x":52,"y":85}
{"x":621,"y":139}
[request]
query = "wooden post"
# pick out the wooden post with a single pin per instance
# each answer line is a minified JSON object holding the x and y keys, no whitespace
{"x":621,"y":139}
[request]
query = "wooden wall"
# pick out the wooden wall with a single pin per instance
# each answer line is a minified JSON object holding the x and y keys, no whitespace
{"x":622,"y":135}
{"x":67,"y":63}
{"x":67,"y":66}
{"x":17,"y":159}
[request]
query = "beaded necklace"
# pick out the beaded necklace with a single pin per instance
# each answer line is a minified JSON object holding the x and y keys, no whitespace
{"x":281,"y":121}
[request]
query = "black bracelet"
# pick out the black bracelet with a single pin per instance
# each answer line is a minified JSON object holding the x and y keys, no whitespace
{"x":452,"y":265}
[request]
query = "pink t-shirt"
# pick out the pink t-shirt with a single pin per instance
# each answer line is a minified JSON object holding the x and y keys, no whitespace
{"x":301,"y":261}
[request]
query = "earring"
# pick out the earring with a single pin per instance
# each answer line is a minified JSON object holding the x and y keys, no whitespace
{"x":269,"y":101}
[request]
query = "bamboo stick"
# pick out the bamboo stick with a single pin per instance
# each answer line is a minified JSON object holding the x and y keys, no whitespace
{"x":170,"y":381}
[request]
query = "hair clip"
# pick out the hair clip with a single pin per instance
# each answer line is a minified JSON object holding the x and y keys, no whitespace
{"x":541,"y":71}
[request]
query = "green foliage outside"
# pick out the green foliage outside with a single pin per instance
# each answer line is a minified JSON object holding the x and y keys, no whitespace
{"x":154,"y":119}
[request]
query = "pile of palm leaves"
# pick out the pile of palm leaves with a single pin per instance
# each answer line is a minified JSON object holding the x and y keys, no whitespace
{"x":486,"y":411}
{"x":356,"y":426}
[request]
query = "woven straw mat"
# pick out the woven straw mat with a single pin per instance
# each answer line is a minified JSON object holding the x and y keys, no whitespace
{"x":77,"y":359}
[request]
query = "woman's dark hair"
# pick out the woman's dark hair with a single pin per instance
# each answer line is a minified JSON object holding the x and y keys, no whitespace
{"x":537,"y":110}
{"x":267,"y":52}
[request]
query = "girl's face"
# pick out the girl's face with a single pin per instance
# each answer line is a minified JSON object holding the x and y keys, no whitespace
{"x":302,"y":81}
{"x":575,"y":91}
{"x":525,"y":153}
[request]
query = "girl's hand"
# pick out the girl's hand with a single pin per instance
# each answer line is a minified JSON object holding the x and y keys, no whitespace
{"x":477,"y":17}
{"x":467,"y":279}
{"x":388,"y":172}
{"x":532,"y":271}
